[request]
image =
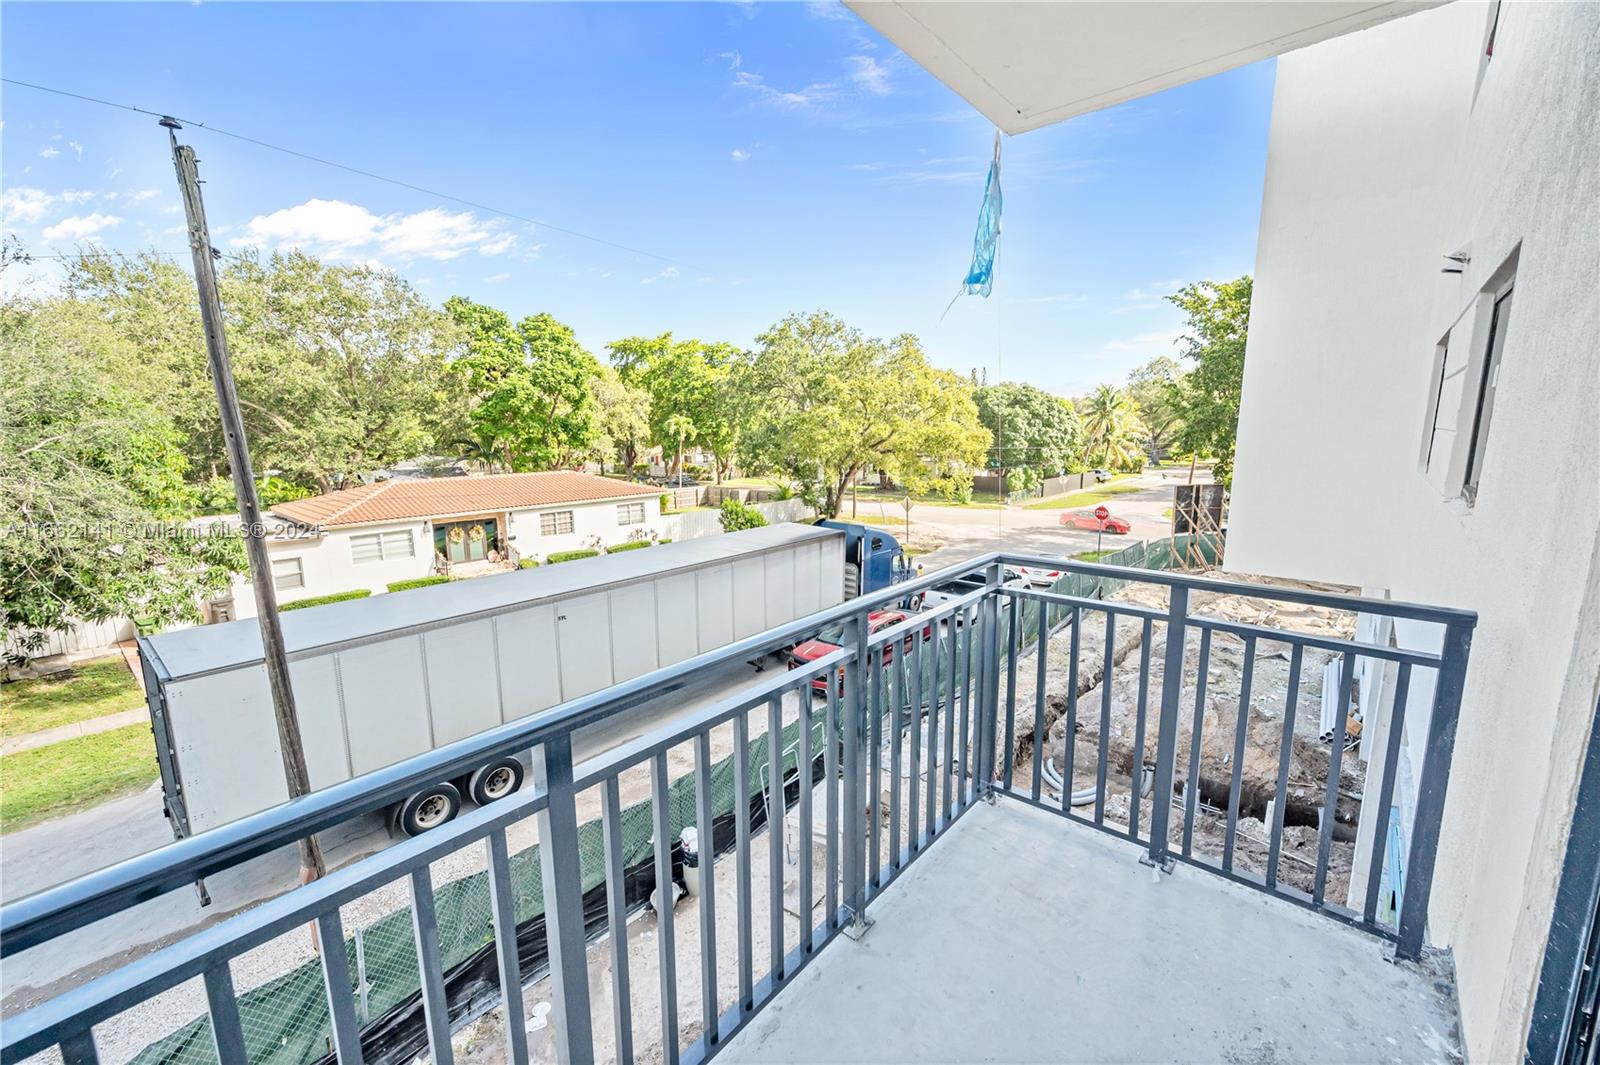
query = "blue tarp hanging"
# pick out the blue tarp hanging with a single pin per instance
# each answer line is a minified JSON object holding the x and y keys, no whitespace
{"x":986,"y":241}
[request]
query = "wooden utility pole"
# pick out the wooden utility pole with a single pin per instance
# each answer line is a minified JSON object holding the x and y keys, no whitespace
{"x":244,"y":486}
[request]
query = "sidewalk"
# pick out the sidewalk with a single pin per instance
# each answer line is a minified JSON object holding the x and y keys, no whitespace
{"x":28,"y":741}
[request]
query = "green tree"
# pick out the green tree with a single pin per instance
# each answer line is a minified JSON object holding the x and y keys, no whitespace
{"x":688,"y":381}
{"x":1112,"y":428}
{"x":1036,"y":434}
{"x":1151,"y":387}
{"x":830,"y":402}
{"x":1207,"y":398}
{"x":624,"y":418}
{"x":530,"y":386}
{"x":92,"y":496}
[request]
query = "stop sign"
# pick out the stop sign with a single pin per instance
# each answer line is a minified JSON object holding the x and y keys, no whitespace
{"x":1101,"y":512}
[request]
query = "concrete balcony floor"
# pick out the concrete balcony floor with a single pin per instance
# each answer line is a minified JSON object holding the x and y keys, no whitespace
{"x":1021,"y":937}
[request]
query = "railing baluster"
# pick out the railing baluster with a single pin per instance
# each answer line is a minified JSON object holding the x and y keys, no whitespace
{"x":964,"y":736}
{"x":947,"y":803}
{"x":1391,"y":756}
{"x":666,"y":944}
{"x":853,"y":732}
{"x":1285,"y":755}
{"x":1013,"y":652}
{"x":616,"y":921}
{"x":1167,"y":726}
{"x":227,"y":1034}
{"x":1041,"y":666}
{"x":932,"y":683}
{"x":914,"y":781}
{"x":79,"y":1049}
{"x":1330,"y":800}
{"x":336,"y":983}
{"x":775,"y":812}
{"x":830,"y":764}
{"x":807,"y":783}
{"x":1069,"y":752}
{"x":1104,"y":753}
{"x":741,"y":846}
{"x":1191,"y":786}
{"x":989,"y":683}
{"x":895,"y":705}
{"x":561,"y":874}
{"x":874,"y":768}
{"x":709,"y":1009}
{"x":1136,"y":771}
{"x":1240,"y":732}
{"x":435,"y":1005}
{"x":503,"y":909}
{"x":1429,"y":811}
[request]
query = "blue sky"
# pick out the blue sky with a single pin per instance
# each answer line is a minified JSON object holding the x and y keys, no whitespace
{"x":785,"y":157}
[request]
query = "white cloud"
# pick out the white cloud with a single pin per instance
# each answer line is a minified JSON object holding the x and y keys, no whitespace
{"x":739,"y":155}
{"x":76,"y":196}
{"x":75,"y":146}
{"x":1148,"y":297}
{"x":49,"y":151}
{"x":143,"y":195}
{"x":337,"y":229}
{"x":827,"y":9}
{"x":1060,"y":297}
{"x":667,"y":274}
{"x":870,"y":75}
{"x":23,"y":204}
{"x":495,"y":279}
{"x":809,"y":96}
{"x":79,"y":227}
{"x":735,"y":60}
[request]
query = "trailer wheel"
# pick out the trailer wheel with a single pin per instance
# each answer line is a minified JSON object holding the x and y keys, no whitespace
{"x":494,"y":781}
{"x":428,"y":808}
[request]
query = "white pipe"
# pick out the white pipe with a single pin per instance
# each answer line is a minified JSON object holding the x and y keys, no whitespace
{"x":1085,"y":796}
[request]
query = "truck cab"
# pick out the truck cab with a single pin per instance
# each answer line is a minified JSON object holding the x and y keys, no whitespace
{"x":873,"y":559}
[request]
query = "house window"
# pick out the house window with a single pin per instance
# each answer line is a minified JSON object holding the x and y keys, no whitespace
{"x":287,"y":574}
{"x":382,"y":546}
{"x":1462,"y":393}
{"x":1499,"y":321}
{"x":630,"y":514}
{"x":555,"y":522}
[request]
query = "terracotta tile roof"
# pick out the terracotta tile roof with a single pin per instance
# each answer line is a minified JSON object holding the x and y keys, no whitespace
{"x":439,"y":497}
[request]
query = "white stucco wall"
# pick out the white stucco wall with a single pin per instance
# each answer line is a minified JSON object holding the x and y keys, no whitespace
{"x":1387,"y":152}
{"x":590,"y":521}
{"x":329,"y":566}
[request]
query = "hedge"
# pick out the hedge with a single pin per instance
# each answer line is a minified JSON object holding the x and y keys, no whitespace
{"x":319,"y":600}
{"x":418,"y":582}
{"x":568,"y":556}
{"x":631,"y":545}
{"x":527,"y":563}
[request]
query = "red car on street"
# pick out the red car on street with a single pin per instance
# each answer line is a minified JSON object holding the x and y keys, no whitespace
{"x":1085,"y":519}
{"x":831,"y":639}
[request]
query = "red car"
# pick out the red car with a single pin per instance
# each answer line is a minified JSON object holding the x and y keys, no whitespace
{"x":831,"y":639}
{"x":1085,"y":519}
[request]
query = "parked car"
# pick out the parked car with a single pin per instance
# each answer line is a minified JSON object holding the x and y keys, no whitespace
{"x":1038,"y":575}
{"x":1085,"y":519}
{"x":934,"y":598}
{"x":831,"y":639}
{"x":1101,"y":476}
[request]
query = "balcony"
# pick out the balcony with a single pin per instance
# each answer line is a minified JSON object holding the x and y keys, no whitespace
{"x":965,"y":844}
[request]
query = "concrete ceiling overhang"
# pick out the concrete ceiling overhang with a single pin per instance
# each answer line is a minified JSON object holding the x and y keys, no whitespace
{"x":1026,"y":65}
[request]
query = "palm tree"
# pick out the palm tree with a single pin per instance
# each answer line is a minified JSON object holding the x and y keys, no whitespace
{"x":1111,"y":425}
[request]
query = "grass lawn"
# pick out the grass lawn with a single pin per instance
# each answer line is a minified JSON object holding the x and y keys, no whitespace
{"x":1088,"y":497}
{"x":894,"y":497}
{"x":92,"y":689}
{"x":53,"y":780}
{"x":1095,"y":556}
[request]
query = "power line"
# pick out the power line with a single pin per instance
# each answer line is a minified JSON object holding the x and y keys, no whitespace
{"x":352,"y":170}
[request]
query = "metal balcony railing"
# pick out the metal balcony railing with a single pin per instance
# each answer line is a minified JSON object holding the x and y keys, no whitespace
{"x":905,"y":729}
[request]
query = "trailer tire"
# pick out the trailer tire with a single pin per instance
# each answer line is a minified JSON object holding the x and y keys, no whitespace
{"x":428,"y":808}
{"x":495,"y":781}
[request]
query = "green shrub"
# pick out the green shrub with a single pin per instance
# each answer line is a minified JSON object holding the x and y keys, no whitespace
{"x":666,"y":501}
{"x":629,"y":546}
{"x":736,"y":516}
{"x":319,"y":600}
{"x":567,"y":556}
{"x":418,"y":582}
{"x":665,"y":540}
{"x":528,"y":563}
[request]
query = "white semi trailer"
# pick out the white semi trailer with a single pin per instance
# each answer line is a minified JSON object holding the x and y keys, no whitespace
{"x":383,"y":679}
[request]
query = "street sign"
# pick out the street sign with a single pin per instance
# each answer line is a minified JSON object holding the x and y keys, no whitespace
{"x":1101,"y":512}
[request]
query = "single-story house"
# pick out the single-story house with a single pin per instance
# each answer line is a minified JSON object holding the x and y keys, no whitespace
{"x":374,"y":535}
